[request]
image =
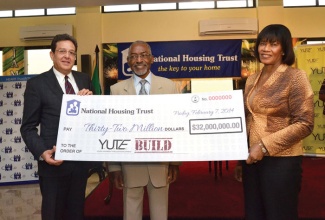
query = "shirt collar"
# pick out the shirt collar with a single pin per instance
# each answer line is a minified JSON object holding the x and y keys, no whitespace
{"x":137,"y":79}
{"x":61,"y":76}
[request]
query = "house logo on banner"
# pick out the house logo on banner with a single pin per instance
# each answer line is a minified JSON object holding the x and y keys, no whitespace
{"x":126,"y":70}
{"x":17,"y":164}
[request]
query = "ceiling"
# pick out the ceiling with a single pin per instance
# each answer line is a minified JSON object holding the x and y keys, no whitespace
{"x":33,"y":4}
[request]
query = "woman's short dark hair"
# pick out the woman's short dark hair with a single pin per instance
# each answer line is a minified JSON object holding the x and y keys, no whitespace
{"x":277,"y":33}
{"x":61,"y":37}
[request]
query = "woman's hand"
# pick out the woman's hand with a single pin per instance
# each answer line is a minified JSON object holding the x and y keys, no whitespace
{"x":255,"y":154}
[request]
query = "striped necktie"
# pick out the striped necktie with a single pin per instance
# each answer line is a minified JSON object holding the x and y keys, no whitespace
{"x":68,"y":87}
{"x":143,"y":89}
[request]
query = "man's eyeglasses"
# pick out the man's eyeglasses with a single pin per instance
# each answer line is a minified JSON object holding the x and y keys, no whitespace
{"x":136,"y":56}
{"x":63,"y":52}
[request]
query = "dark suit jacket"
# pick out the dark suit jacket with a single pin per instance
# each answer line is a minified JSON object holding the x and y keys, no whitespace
{"x":42,"y":106}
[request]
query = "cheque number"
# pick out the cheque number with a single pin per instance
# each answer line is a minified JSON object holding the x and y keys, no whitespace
{"x":216,"y":125}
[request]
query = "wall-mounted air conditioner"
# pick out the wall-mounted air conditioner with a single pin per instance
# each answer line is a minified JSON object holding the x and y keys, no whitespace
{"x":226,"y":26}
{"x":46,"y":32}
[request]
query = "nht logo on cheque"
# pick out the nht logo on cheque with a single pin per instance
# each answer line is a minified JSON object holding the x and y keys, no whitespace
{"x":146,"y":145}
{"x":73,"y":107}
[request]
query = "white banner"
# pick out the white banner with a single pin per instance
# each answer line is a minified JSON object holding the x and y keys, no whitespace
{"x":178,"y":127}
{"x":17,"y":164}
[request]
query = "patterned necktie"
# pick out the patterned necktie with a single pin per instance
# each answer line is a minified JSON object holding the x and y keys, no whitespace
{"x":143,"y":89}
{"x":68,"y":86}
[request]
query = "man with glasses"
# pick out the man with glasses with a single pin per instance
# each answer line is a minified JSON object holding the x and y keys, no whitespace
{"x":62,"y":183}
{"x":132,"y":177}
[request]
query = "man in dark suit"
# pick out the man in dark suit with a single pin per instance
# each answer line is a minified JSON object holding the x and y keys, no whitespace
{"x":132,"y":177}
{"x":62,"y":183}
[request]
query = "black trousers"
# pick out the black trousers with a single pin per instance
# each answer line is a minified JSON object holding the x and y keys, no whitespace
{"x":271,"y":188}
{"x":63,"y":196}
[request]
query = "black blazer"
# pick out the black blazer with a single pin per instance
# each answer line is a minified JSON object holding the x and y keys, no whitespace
{"x":42,"y":106}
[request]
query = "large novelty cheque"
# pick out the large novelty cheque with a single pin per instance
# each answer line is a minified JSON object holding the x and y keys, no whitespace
{"x":177,"y":127}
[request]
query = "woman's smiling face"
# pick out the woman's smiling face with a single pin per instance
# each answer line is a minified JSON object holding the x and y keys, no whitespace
{"x":270,"y":52}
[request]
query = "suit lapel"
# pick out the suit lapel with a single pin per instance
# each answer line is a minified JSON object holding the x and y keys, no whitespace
{"x":53,"y":84}
{"x":78,"y":80}
{"x":155,"y":86}
{"x":129,"y":86}
{"x":274,"y":77}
